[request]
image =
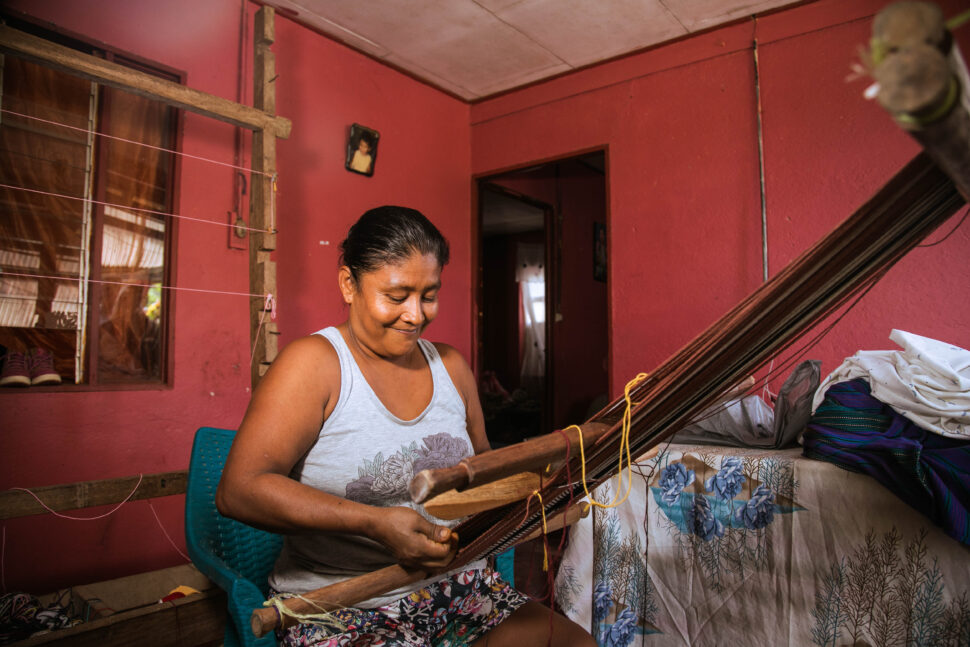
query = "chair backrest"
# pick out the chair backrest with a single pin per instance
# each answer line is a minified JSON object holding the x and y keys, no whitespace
{"x":221,"y":548}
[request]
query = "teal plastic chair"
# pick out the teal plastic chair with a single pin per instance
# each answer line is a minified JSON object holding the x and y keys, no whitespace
{"x":235,"y":556}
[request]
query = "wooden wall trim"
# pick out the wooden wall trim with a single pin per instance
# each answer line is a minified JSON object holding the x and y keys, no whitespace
{"x":88,"y":494}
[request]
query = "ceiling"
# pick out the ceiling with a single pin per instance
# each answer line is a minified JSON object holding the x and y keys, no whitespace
{"x":476,"y":48}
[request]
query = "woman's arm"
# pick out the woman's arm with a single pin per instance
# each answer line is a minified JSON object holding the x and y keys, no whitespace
{"x":281,"y":425}
{"x":464,"y":380}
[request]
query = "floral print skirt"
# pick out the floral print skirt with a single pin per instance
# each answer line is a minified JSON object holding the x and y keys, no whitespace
{"x":454,"y":611}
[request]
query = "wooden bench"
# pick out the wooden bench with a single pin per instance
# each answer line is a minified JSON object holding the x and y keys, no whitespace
{"x":127,"y":611}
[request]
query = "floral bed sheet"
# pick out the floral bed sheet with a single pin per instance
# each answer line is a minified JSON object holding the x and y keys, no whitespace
{"x":732,"y":546}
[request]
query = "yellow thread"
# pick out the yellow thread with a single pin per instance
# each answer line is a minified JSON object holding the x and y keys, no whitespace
{"x":325,"y":619}
{"x":545,"y":531}
{"x":958,"y":21}
{"x":624,"y":445}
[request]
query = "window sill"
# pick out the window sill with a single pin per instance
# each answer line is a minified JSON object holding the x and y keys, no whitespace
{"x":82,"y":388}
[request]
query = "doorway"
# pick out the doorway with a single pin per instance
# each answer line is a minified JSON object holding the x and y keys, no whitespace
{"x":543,"y":338}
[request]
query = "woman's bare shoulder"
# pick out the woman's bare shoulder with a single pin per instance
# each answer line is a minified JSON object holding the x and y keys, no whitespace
{"x":457,"y":367}
{"x":451,"y":356}
{"x":310,"y":362}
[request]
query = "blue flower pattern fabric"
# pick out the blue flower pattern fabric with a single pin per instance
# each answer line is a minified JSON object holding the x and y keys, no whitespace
{"x":727,"y":483}
{"x":715,"y":508}
{"x":622,"y":632}
{"x":702,"y":521}
{"x":758,"y":511}
{"x":673,"y":480}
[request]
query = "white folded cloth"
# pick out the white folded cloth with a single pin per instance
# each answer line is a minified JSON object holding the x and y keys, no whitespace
{"x":928,"y":381}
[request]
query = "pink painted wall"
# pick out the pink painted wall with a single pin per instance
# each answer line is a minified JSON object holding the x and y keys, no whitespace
{"x":423,"y":161}
{"x":323,"y":87}
{"x":684,"y":194}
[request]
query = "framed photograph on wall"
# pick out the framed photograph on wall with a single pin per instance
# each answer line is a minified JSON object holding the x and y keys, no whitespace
{"x":599,"y":251}
{"x":362,"y":149}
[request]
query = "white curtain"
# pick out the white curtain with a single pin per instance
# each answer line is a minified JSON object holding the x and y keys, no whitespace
{"x":531,"y":276}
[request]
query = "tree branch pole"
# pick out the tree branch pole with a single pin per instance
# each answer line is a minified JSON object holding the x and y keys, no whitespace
{"x":924,"y":85}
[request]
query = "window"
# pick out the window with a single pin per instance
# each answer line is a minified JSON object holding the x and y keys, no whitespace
{"x":85,"y":239}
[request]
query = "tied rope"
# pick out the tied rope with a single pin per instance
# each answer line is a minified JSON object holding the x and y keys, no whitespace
{"x":545,"y":530}
{"x":272,"y":204}
{"x":624,"y":448}
{"x":270,"y":305}
{"x":323,"y":619}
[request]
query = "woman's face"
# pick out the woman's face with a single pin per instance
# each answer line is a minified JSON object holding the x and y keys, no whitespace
{"x":391,"y":306}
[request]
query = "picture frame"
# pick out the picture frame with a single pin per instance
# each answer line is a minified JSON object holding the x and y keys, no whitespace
{"x":362,"y":150}
{"x":599,"y":251}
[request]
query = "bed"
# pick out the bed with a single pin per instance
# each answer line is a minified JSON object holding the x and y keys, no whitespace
{"x":739,"y":546}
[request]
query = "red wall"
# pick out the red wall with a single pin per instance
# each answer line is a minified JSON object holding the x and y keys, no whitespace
{"x":322,"y":87}
{"x":423,"y":161}
{"x":680,"y":122}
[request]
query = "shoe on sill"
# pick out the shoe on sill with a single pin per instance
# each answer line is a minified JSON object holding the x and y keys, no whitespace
{"x":15,"y":370}
{"x":42,"y":368}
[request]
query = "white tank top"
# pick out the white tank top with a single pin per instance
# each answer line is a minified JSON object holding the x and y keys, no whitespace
{"x":367,"y":454}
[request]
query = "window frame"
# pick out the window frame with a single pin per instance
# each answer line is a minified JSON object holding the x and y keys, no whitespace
{"x":92,"y":333}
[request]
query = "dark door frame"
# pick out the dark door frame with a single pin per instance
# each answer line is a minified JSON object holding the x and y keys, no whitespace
{"x":550,"y":238}
{"x":481,"y":179}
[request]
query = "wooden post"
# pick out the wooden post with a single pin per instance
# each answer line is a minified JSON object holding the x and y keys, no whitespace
{"x":262,"y":270}
{"x":923,"y":84}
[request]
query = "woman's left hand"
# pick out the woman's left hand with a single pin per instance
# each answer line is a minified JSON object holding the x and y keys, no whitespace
{"x":414,"y":541}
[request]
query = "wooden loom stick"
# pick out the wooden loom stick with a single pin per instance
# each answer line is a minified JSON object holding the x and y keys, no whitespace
{"x":352,"y":591}
{"x":498,"y":477}
{"x":533,"y":454}
{"x":337,"y":596}
{"x":455,"y":505}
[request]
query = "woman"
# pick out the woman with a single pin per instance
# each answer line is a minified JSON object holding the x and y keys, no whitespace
{"x":335,"y":431}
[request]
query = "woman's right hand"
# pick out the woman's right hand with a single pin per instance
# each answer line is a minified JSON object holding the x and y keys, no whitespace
{"x":414,"y":541}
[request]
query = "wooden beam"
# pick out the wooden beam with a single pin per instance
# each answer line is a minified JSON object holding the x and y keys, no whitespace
{"x":63,"y":58}
{"x":87,"y":494}
{"x":923,"y":84}
{"x":262,"y":207}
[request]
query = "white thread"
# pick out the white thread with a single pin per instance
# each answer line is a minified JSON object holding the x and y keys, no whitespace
{"x":65,"y":516}
{"x":128,"y":208}
{"x":129,"y":141}
{"x":165,"y":532}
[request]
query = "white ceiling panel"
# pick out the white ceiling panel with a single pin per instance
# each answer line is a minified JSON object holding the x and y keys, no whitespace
{"x":477,"y":48}
{"x":697,"y":15}
{"x":581,"y":32}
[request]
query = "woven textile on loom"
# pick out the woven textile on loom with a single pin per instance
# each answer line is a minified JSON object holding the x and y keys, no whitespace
{"x":928,"y":471}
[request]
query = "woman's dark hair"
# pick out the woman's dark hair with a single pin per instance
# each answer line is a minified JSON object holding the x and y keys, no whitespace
{"x":387,"y":235}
